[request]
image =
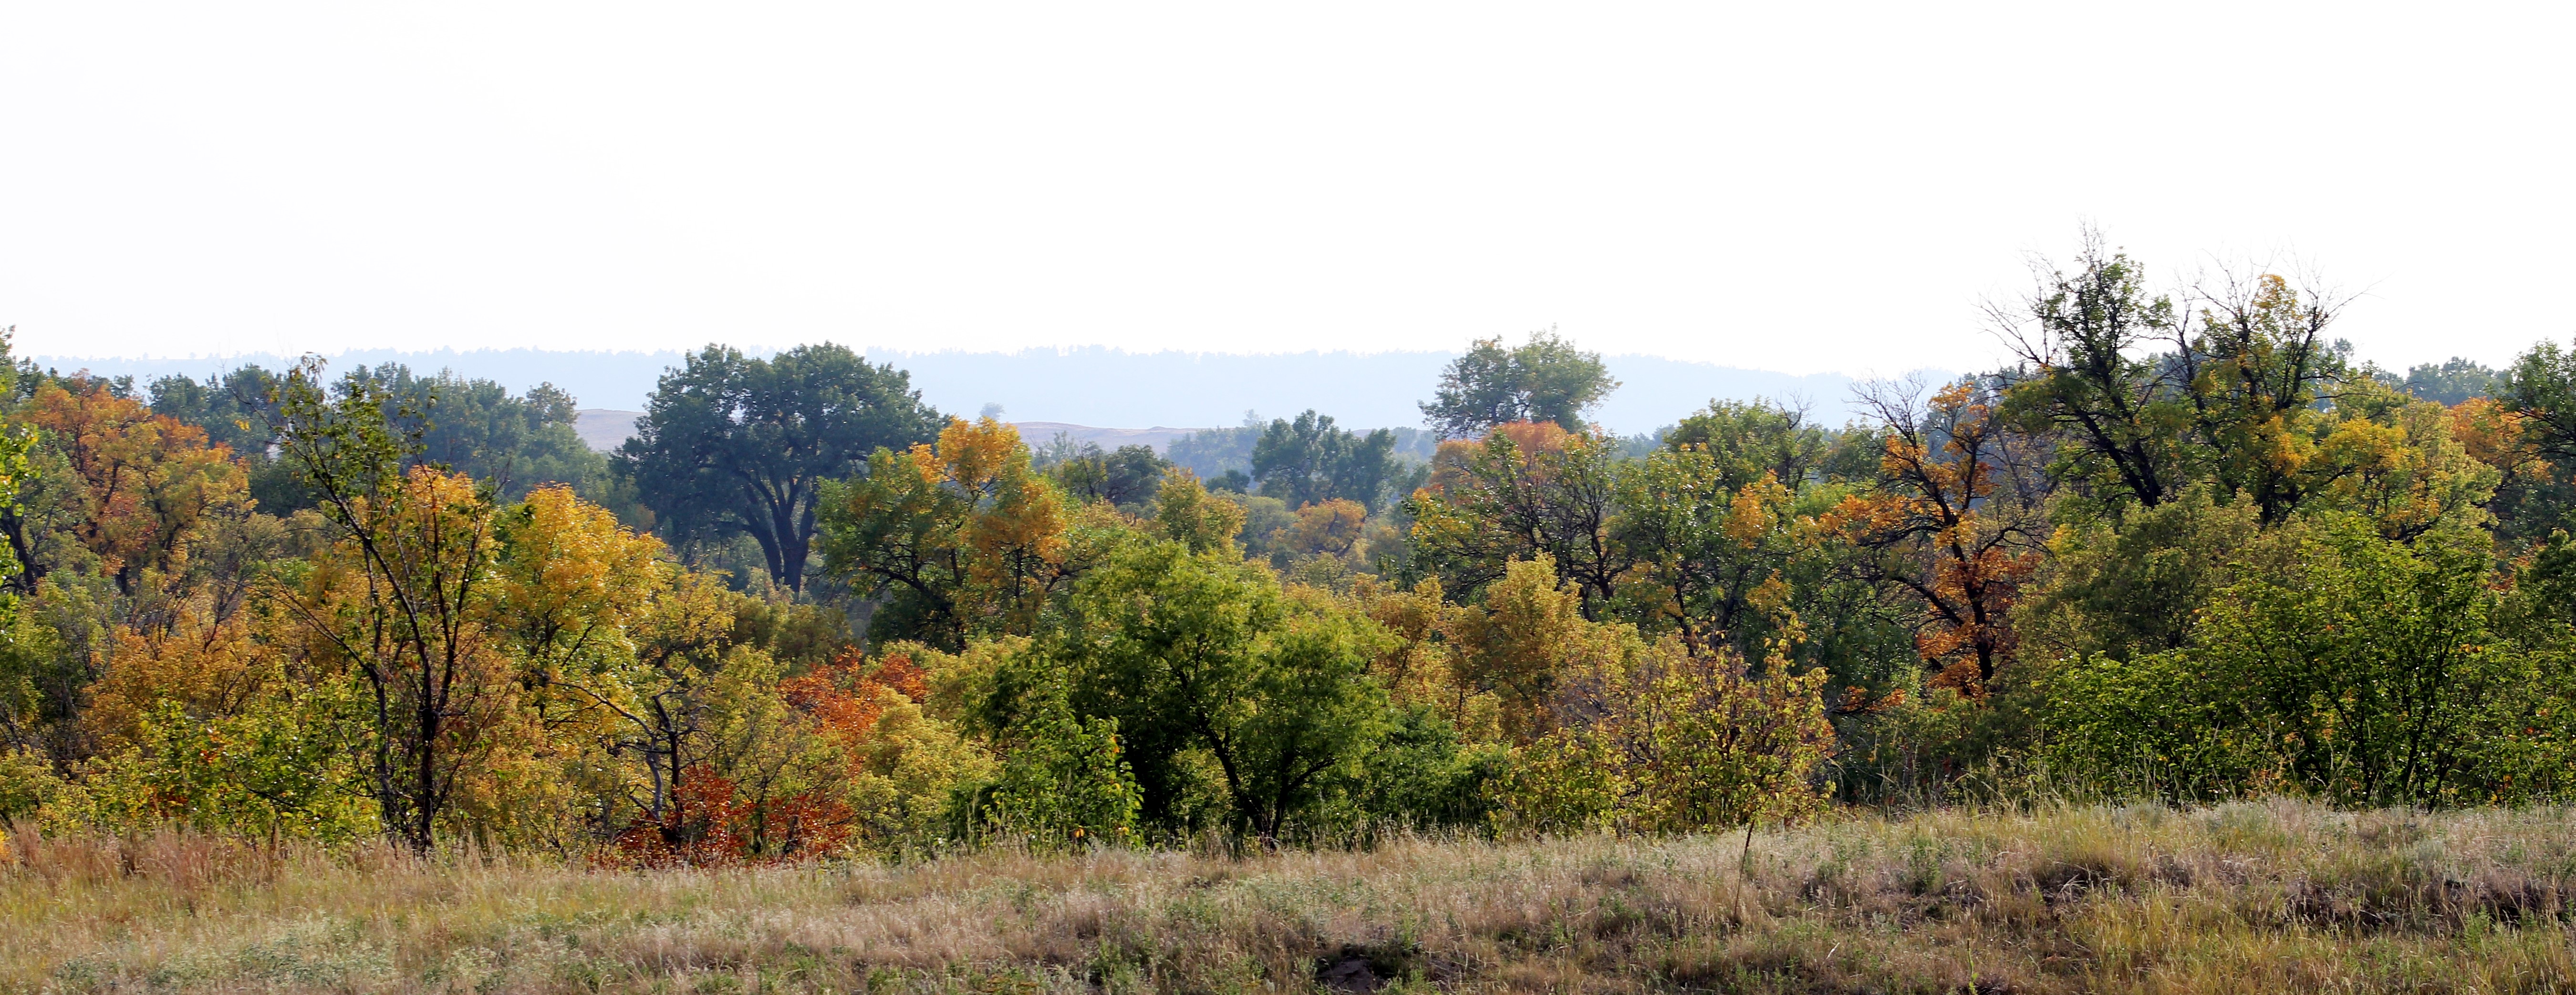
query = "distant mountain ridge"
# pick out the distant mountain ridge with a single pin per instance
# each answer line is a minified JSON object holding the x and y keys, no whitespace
{"x":1098,"y":386}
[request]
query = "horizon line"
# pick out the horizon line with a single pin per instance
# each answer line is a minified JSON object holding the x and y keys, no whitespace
{"x":871,"y":350}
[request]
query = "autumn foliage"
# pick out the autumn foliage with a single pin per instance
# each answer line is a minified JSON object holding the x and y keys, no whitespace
{"x":2182,"y":547}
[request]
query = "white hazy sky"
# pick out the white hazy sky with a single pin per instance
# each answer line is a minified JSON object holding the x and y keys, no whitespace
{"x":1801,"y":187}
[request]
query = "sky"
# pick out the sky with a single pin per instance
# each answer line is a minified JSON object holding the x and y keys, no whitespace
{"x":1806,"y":188}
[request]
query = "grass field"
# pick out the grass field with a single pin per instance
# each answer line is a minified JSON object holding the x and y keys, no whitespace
{"x":2277,"y":898}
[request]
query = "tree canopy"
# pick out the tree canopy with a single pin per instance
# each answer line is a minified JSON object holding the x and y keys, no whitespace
{"x":1545,"y":378}
{"x":739,"y":445}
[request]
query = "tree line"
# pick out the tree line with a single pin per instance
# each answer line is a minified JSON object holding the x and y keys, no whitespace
{"x":2182,"y":547}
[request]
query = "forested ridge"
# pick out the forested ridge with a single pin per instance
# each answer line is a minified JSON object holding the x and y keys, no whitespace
{"x":2181,"y":548}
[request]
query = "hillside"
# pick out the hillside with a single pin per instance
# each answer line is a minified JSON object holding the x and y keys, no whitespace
{"x":604,"y":429}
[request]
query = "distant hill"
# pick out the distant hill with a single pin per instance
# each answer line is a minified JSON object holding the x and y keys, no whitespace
{"x":604,"y":429}
{"x":1097,"y":386}
{"x":1039,"y":433}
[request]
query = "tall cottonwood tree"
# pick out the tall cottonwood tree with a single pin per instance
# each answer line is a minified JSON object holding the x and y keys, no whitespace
{"x":737,"y":445}
{"x":1543,"y":379}
{"x":1309,"y":461}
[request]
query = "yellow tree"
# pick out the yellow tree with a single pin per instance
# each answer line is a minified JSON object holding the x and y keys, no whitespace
{"x":1523,"y":641}
{"x":1185,"y":513}
{"x":399,"y":600}
{"x":964,"y":535}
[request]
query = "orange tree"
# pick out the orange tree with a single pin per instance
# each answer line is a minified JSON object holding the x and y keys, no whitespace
{"x":1954,"y":524}
{"x":137,"y":482}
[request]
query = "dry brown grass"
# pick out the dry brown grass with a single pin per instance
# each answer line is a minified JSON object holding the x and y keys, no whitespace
{"x":2275,"y":898}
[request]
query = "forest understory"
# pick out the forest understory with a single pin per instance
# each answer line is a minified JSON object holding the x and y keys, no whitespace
{"x":2278,"y":896}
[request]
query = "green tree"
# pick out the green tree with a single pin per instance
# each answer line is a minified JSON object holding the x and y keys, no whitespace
{"x":1200,"y":654}
{"x":1213,"y":453}
{"x":1063,"y":780}
{"x":1309,"y":461}
{"x":2087,"y":375}
{"x":2452,"y":381}
{"x":1746,"y":439}
{"x":734,"y":445}
{"x":1126,"y":477}
{"x":280,"y":768}
{"x":1543,"y":379}
{"x":235,"y":408}
{"x":2360,"y":668}
{"x":1710,"y":559}
{"x":2135,"y":583}
{"x":1528,"y":490}
{"x":2539,"y":392}
{"x":513,"y":443}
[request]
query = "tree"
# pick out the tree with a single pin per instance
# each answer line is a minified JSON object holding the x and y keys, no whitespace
{"x":1543,"y":379}
{"x":1714,"y":746}
{"x":2453,"y":381}
{"x":1064,"y":782}
{"x":1125,"y":477}
{"x":514,"y":444}
{"x":1954,"y":524}
{"x":1213,"y":453}
{"x":2367,"y":670}
{"x":2258,"y":366}
{"x":2085,"y":374}
{"x":1746,"y":440}
{"x":1333,"y":528}
{"x":397,"y":600}
{"x":235,"y":409}
{"x":1199,"y":652}
{"x":1186,"y":514}
{"x":1308,"y":461}
{"x":1652,"y":738}
{"x":732,"y":445}
{"x":1529,"y":489}
{"x":2134,"y":584}
{"x":1524,"y":641}
{"x":1710,"y":558}
{"x":2535,"y":433}
{"x":966,"y":537}
{"x":137,"y":483}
